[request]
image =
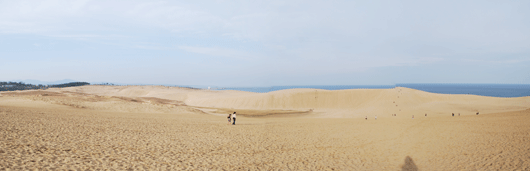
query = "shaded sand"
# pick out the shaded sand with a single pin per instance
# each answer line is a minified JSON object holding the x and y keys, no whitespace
{"x":105,"y":127}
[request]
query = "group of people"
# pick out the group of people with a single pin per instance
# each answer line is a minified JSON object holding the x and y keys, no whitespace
{"x":232,"y":117}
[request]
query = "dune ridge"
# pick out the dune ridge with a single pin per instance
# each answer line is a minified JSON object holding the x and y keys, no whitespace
{"x":323,"y":103}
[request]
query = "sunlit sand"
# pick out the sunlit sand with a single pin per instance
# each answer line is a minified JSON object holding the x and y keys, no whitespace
{"x":156,"y":127}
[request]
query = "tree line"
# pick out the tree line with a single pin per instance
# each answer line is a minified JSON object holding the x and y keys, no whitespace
{"x":12,"y":86}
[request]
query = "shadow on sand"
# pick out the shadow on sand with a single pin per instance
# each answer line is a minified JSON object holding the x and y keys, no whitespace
{"x":409,"y":165}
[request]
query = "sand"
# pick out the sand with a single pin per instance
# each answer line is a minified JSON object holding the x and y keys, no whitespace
{"x":156,"y":127}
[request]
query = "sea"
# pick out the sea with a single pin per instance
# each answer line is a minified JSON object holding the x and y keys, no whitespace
{"x":492,"y":90}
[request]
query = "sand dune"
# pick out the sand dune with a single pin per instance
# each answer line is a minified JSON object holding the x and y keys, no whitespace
{"x":156,"y":127}
{"x":323,"y":103}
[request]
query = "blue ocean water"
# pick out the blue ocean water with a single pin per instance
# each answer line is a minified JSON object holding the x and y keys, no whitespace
{"x":493,"y":90}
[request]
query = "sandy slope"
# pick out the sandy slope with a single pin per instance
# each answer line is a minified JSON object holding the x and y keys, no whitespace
{"x":324,"y":103}
{"x":105,"y":127}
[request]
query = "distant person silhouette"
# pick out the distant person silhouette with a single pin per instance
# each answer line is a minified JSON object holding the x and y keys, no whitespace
{"x":425,"y":114}
{"x":453,"y":114}
{"x":477,"y":113}
{"x":234,"y":117}
{"x":365,"y":117}
{"x":375,"y":117}
{"x":229,"y":118}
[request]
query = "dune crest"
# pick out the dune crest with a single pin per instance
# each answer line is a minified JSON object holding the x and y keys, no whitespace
{"x":323,"y":103}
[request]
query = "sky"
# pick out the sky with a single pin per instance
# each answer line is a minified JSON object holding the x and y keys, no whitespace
{"x":266,"y":43}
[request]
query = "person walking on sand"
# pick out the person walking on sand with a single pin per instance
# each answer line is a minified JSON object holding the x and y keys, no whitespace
{"x":365,"y":117}
{"x":375,"y":117}
{"x":234,"y":117}
{"x":229,"y":118}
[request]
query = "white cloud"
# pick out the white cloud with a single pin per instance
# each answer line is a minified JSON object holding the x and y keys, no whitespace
{"x":418,"y":61}
{"x":26,"y":16}
{"x":504,"y":61}
{"x":295,"y":36}
{"x":89,"y":37}
{"x":275,"y":21}
{"x":223,"y":52}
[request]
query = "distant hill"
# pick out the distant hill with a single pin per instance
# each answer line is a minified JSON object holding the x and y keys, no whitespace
{"x":12,"y":86}
{"x":37,"y":82}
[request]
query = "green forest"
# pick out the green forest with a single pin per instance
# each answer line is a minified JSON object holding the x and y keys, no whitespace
{"x":12,"y":86}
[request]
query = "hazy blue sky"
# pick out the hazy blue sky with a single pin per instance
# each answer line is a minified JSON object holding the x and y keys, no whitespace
{"x":266,"y":43}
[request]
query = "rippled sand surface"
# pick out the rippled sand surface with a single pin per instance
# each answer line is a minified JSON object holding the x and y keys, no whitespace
{"x":42,"y":130}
